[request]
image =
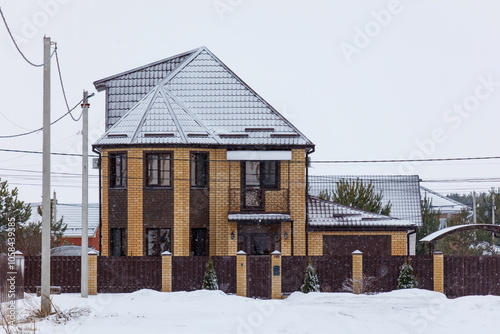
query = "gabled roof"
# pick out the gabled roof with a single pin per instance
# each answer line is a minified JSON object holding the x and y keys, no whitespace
{"x":323,"y":213}
{"x":201,"y":101}
{"x":72,"y":217}
{"x":403,"y":191}
{"x":442,"y":203}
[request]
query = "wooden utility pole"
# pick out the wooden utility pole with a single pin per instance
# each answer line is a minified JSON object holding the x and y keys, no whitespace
{"x":45,"y":293}
{"x":85,"y":196}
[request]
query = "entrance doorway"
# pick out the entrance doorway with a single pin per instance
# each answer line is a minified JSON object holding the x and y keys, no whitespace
{"x":259,"y":238}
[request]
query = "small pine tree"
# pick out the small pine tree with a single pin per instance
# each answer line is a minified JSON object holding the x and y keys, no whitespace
{"x":406,"y":279}
{"x":311,"y":283}
{"x":210,"y":278}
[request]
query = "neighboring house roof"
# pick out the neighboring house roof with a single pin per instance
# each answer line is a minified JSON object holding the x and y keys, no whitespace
{"x":403,"y":191}
{"x":323,"y":213}
{"x":199,"y":101}
{"x":442,"y":203}
{"x":72,"y":217}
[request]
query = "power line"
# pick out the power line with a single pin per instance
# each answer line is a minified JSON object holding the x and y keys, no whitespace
{"x":64,"y":90}
{"x":400,"y":160}
{"x":40,"y":129}
{"x":40,"y":152}
{"x":17,"y":47}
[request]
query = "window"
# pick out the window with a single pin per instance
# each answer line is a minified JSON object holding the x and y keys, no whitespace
{"x":117,"y":170}
{"x":158,"y":241}
{"x":199,"y":241}
{"x":118,"y":241}
{"x":159,"y":170}
{"x":199,"y":171}
{"x":261,"y":174}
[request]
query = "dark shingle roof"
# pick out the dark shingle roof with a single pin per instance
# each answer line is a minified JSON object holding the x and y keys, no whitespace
{"x":403,"y":191}
{"x":329,"y":214}
{"x":201,"y":101}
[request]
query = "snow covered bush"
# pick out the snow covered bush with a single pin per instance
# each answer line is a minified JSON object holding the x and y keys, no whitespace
{"x":210,"y":279}
{"x":407,"y":279}
{"x":311,"y":283}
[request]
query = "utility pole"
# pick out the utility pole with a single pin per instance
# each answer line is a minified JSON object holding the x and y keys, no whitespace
{"x":474,"y":208}
{"x":45,"y":293}
{"x":85,"y":196}
{"x":54,"y":205}
{"x":493,"y":208}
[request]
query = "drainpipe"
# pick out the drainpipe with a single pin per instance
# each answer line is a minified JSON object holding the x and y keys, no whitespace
{"x":100,"y":196}
{"x":307,"y":196}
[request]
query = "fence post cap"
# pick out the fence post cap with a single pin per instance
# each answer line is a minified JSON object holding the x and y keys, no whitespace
{"x":276,"y":252}
{"x":438,"y":253}
{"x":93,"y":252}
{"x":357,"y":252}
{"x":166,"y":253}
{"x":241,"y":253}
{"x":18,"y":253}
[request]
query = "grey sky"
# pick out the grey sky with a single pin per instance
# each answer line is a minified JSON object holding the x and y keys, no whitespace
{"x":362,"y":79}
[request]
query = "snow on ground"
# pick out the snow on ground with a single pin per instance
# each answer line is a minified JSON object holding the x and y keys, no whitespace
{"x":401,"y":312}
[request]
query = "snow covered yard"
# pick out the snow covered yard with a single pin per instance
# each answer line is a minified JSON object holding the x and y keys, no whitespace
{"x":403,"y":311}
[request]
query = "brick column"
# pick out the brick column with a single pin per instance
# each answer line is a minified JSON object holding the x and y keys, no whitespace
{"x":241,"y":273}
{"x":439,"y":272}
{"x":135,"y":186}
{"x":357,"y":271}
{"x":92,"y":272}
{"x":166,"y":271}
{"x":276,"y":275}
{"x":181,"y":202}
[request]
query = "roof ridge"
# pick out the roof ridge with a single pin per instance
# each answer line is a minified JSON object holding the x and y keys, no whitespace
{"x":443,"y":196}
{"x":99,"y":82}
{"x":146,"y":113}
{"x":172,"y":113}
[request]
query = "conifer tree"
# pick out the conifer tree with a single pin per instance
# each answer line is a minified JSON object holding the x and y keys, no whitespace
{"x":311,"y":283}
{"x":210,"y":278}
{"x":406,"y":279}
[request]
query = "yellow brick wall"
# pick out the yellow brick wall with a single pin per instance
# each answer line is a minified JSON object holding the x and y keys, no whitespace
{"x":357,"y":273}
{"x":232,"y":247}
{"x":104,"y":208}
{"x":166,"y":273}
{"x":286,"y":245}
{"x":398,"y":240}
{"x":92,"y":275}
{"x":439,"y":272}
{"x":220,"y":194}
{"x":298,"y":200}
{"x":181,"y":202}
{"x":241,"y":275}
{"x":135,"y":186}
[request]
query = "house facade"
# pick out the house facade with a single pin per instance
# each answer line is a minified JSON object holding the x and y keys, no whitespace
{"x":194,"y":162}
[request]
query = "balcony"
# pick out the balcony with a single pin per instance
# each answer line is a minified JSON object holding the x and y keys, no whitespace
{"x":259,"y":200}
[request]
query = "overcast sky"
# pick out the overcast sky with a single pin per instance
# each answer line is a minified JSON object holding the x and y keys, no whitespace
{"x":364,"y":80}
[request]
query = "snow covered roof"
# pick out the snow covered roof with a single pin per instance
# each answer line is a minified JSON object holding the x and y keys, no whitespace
{"x":449,"y":230}
{"x":258,"y":216}
{"x":330,"y":214}
{"x":72,"y":216}
{"x":194,"y":99}
{"x":442,"y":203}
{"x":403,"y":191}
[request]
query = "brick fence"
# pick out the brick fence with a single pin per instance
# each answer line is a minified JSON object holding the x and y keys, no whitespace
{"x":271,"y":276}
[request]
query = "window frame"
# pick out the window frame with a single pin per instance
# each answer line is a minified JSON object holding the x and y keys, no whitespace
{"x":159,"y":230}
{"x":193,"y":164}
{"x":147,"y":158}
{"x":262,"y":174}
{"x":123,"y":241}
{"x":113,"y":177}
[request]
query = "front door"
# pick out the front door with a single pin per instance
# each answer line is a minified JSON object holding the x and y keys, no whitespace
{"x":199,"y":241}
{"x":259,"y":238}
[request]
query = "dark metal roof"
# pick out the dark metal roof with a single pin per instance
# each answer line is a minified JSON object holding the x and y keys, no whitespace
{"x":403,"y":191}
{"x":323,"y":213}
{"x":200,"y":102}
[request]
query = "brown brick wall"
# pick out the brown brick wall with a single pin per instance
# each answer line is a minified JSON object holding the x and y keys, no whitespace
{"x":398,"y":240}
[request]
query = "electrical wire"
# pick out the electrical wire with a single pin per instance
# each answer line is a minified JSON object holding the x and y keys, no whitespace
{"x":17,"y":47}
{"x":64,"y":90}
{"x":40,"y":129}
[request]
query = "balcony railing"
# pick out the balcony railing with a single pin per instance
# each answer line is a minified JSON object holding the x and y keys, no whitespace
{"x":258,"y":199}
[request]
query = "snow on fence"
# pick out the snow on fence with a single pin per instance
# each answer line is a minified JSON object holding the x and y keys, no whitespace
{"x":463,"y":275}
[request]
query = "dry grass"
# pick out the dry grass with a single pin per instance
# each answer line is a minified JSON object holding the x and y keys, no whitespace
{"x":365,"y":286}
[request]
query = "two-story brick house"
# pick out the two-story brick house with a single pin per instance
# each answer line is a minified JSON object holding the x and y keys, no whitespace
{"x":195,"y":162}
